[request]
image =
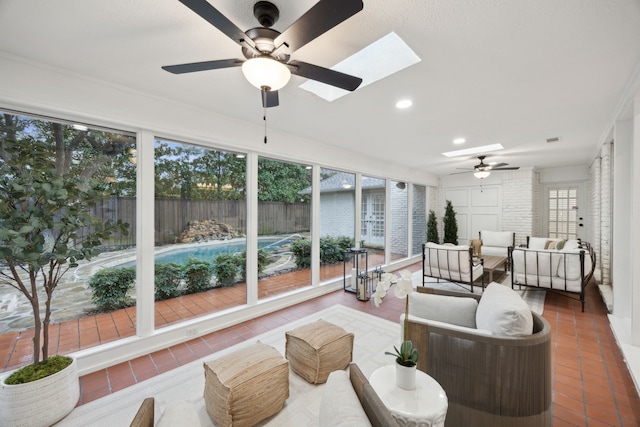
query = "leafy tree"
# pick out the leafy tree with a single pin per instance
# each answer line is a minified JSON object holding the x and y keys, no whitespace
{"x":450,"y":225}
{"x":46,"y":224}
{"x":282,"y":182}
{"x":432,"y":228}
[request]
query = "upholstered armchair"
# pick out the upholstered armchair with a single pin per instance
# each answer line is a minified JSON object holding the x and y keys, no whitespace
{"x":491,"y":379}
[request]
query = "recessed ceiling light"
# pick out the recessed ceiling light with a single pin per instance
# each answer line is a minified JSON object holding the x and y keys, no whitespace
{"x":459,"y":141}
{"x":239,"y":156}
{"x":404,"y":103}
{"x":77,"y":126}
{"x":474,"y":150}
{"x":380,"y":59}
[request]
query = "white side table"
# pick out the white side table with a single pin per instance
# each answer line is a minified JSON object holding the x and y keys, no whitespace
{"x":426,"y":406}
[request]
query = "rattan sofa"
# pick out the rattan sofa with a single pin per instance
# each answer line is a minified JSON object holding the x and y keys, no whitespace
{"x":490,"y":380}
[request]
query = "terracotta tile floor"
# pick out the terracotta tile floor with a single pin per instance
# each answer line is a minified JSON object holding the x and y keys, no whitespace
{"x":591,"y":383}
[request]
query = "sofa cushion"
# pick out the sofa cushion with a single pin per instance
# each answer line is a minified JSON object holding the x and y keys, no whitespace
{"x":503,"y":312}
{"x":536,"y":262}
{"x":459,"y":311}
{"x":569,"y":267}
{"x":496,"y":238}
{"x":340,"y":405}
{"x":448,"y":257}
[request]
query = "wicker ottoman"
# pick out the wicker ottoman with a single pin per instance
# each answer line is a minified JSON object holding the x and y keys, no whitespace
{"x":317,"y":349}
{"x":247,"y":386}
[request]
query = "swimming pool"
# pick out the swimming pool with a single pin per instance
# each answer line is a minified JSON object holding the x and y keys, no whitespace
{"x":207,"y":252}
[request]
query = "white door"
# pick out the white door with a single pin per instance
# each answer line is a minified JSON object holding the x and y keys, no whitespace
{"x":565,"y":214}
{"x":372,"y":228}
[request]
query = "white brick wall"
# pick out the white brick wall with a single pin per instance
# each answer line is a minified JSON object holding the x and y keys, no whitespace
{"x":419,"y":215}
{"x":600,"y":182}
{"x":337,"y":214}
{"x":521,"y":210}
{"x":399,"y":220}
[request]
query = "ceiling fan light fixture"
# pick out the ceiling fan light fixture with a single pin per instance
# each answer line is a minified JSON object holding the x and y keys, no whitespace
{"x":482,"y":174}
{"x":266,"y":72}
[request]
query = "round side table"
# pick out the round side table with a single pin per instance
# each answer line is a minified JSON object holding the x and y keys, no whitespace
{"x":425,"y":406}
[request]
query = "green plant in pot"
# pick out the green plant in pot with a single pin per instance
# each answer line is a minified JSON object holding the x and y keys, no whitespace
{"x":46,"y":228}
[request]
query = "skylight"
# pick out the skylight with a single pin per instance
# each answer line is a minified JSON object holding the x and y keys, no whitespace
{"x":380,"y":59}
{"x":474,"y":150}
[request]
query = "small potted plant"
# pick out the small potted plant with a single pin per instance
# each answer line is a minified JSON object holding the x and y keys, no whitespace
{"x":406,"y":356}
{"x":41,"y":217}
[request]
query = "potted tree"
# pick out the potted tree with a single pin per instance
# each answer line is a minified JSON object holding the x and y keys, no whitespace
{"x":46,"y":228}
{"x":432,"y":228}
{"x":450,"y":225}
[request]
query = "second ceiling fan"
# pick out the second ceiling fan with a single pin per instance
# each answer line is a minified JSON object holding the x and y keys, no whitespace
{"x":483,"y":170}
{"x":267,"y":51}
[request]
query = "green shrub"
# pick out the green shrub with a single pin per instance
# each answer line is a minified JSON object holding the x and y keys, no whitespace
{"x":301,"y":249}
{"x":263,"y":261}
{"x":450,"y":225}
{"x":432,"y":228}
{"x":332,"y":248}
{"x":30,"y":373}
{"x":197,"y":275}
{"x":225,"y":268}
{"x":111,"y":286}
{"x":167,"y":280}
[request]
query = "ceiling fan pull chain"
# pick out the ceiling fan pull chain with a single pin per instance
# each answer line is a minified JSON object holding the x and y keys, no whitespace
{"x":265,"y":124}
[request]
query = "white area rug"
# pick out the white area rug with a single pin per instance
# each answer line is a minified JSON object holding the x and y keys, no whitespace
{"x":373,"y":336}
{"x":534,"y":298}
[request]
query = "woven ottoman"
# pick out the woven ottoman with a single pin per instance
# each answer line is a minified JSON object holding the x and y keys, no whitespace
{"x":317,"y":349}
{"x":246,"y":386}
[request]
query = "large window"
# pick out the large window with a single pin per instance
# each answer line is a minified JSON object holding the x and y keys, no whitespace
{"x":373,"y":213}
{"x":95,"y":161}
{"x":337,"y":220}
{"x":200,"y":229}
{"x":284,"y":226}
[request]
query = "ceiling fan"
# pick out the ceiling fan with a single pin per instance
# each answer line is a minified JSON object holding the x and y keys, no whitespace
{"x":483,"y":170}
{"x":267,"y":51}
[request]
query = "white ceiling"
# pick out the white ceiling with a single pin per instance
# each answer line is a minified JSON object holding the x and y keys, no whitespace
{"x":514,"y":72}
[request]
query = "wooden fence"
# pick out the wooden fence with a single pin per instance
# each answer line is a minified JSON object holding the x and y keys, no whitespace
{"x":173,"y":215}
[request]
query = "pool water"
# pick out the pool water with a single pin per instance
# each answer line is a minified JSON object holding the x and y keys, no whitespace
{"x":209,"y":252}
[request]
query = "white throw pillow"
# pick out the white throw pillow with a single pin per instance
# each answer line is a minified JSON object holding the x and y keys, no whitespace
{"x":503,"y":312}
{"x":339,"y":405}
{"x":570,"y":264}
{"x":459,"y":311}
{"x":497,"y":238}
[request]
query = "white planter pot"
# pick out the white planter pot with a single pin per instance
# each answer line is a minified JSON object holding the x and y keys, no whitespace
{"x":406,"y":377}
{"x":42,"y":402}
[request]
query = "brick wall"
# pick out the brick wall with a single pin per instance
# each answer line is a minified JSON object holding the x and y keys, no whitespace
{"x":521,"y":210}
{"x":399,"y":219}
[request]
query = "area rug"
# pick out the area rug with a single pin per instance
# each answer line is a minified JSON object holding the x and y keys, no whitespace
{"x":533,"y":297}
{"x":373,"y":336}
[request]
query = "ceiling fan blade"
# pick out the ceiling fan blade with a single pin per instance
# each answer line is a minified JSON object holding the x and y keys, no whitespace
{"x":458,"y":173}
{"x":499,"y":165}
{"x":325,"y":75}
{"x":270,"y":98}
{"x":506,"y":169}
{"x":218,"y":20}
{"x":202,"y":66}
{"x":322,"y":17}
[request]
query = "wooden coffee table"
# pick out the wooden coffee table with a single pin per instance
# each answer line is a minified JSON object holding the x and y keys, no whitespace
{"x":492,"y":263}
